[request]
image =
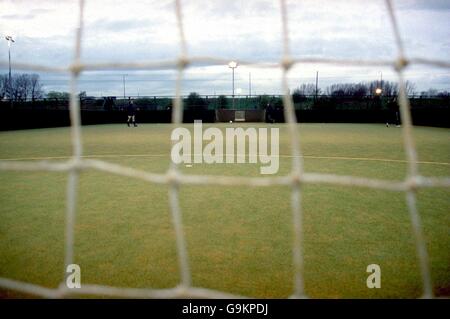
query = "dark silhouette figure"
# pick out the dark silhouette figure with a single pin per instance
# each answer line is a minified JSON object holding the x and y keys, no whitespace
{"x":108,"y":103}
{"x":131,"y":110}
{"x":394,"y":112}
{"x":270,"y":113}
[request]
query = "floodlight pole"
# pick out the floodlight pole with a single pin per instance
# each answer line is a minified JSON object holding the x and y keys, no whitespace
{"x":381,"y":81}
{"x":317,"y":85}
{"x":233,"y":86}
{"x":9,"y":60}
{"x":233,"y":81}
{"x":10,"y":40}
{"x":233,"y":65}
{"x":379,"y":89}
{"x":250,"y":84}
{"x":123,"y":79}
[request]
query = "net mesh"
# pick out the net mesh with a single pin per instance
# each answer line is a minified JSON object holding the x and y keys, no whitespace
{"x":174,"y":178}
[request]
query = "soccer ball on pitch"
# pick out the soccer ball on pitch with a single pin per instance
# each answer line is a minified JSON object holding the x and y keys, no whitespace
{"x":231,"y":121}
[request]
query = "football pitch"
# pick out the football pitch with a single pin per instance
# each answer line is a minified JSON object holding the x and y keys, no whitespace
{"x":239,"y":239}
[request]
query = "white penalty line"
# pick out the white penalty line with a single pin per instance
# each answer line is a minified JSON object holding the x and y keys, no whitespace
{"x":166,"y":155}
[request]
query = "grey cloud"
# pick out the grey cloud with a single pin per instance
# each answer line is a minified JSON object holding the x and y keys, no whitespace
{"x":309,"y":38}
{"x":52,"y":51}
{"x":254,"y":48}
{"x":117,"y":25}
{"x":17,"y":16}
{"x":128,"y":51}
{"x":433,"y":5}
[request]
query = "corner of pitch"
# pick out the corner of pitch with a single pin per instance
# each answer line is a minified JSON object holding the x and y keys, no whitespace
{"x":235,"y":138}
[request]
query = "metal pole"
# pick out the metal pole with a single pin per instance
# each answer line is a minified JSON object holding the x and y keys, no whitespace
{"x":381,"y":80}
{"x":250,"y":84}
{"x":233,"y":65}
{"x":123,"y":77}
{"x":9,"y":80}
{"x":317,"y":83}
{"x":233,"y":86}
{"x":9,"y":38}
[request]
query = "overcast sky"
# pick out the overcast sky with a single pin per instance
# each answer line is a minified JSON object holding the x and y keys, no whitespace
{"x":236,"y":29}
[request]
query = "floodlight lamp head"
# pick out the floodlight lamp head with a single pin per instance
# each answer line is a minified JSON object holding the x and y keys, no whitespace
{"x":378,"y":91}
{"x":9,"y":39}
{"x":233,"y":64}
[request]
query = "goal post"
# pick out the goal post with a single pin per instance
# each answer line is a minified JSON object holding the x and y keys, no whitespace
{"x":224,"y":115}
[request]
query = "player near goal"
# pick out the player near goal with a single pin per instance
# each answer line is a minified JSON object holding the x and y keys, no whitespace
{"x":393,"y":112}
{"x":131,"y":111}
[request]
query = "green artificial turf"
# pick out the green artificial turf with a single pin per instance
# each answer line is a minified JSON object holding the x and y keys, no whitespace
{"x":239,"y":238}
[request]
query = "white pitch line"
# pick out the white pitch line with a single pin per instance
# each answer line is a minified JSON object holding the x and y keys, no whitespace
{"x":167,"y":155}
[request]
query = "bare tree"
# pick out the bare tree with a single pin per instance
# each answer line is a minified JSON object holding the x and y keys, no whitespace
{"x":389,"y":88}
{"x":3,"y":86}
{"x":429,"y":93}
{"x":368,"y":89}
{"x":348,"y":89}
{"x":304,"y":90}
{"x":410,"y":88}
{"x":20,"y":84}
{"x":307,"y":89}
{"x":35,"y":87}
{"x":23,"y":87}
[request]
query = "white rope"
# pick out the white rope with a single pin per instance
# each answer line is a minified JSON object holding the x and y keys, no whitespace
{"x":172,"y":174}
{"x":297,"y":161}
{"x":411,"y":156}
{"x":77,"y":149}
{"x":215,"y":61}
{"x":174,"y":178}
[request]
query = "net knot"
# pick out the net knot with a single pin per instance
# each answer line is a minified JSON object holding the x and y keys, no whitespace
{"x":287,"y":63}
{"x":413,"y":183}
{"x":76,"y":68}
{"x":401,"y":63}
{"x":182,"y":62}
{"x":76,"y":164}
{"x":172,"y":177}
{"x":296,"y":179}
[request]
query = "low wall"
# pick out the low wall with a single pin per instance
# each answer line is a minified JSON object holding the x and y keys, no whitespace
{"x":13,"y":119}
{"x":439,"y":117}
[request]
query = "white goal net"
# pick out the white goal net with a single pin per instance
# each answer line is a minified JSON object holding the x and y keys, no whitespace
{"x":175,"y":179}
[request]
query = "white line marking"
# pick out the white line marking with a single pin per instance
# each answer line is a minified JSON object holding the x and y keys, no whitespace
{"x":168,"y":155}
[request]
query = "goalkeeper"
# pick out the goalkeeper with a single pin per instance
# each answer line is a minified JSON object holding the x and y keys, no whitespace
{"x":131,"y":113}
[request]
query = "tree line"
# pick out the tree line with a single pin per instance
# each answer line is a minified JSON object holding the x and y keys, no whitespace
{"x":355,"y":90}
{"x":21,"y":87}
{"x":364,"y":89}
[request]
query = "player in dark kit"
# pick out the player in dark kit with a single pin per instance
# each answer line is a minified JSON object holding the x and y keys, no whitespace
{"x":394,"y":112}
{"x":131,"y":113}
